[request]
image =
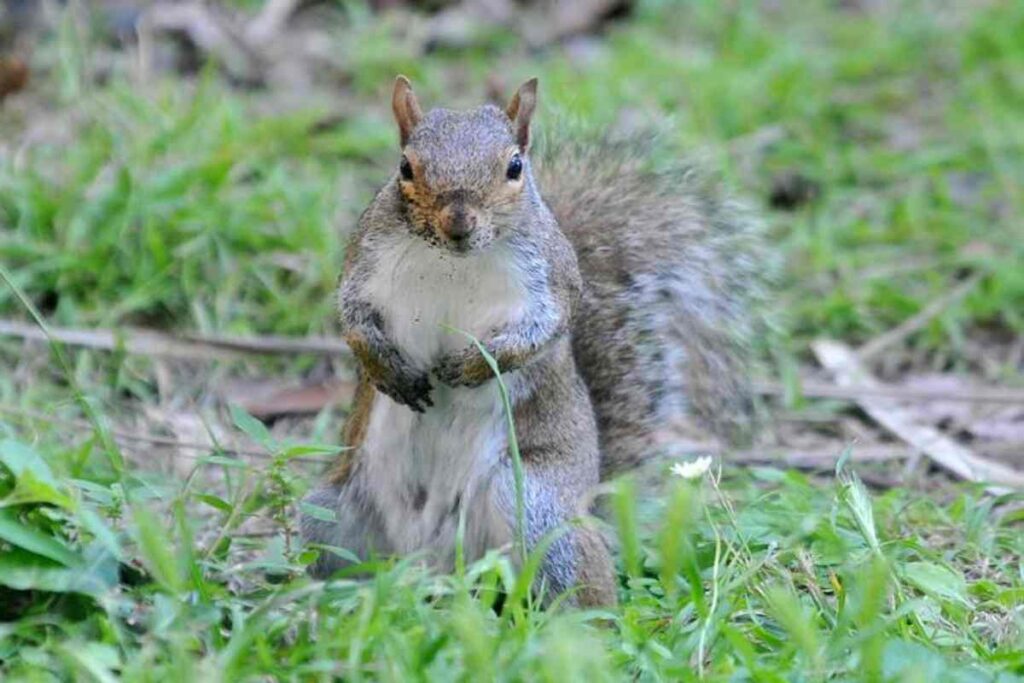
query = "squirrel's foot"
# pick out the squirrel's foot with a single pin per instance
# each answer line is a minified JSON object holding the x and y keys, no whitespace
{"x":410,"y":389}
{"x":466,"y":368}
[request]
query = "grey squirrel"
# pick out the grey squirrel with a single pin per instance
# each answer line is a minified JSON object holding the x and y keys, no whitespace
{"x":614,"y":298}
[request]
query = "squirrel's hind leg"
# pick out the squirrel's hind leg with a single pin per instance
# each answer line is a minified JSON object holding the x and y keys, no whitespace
{"x":576,"y":559}
{"x":357,"y":527}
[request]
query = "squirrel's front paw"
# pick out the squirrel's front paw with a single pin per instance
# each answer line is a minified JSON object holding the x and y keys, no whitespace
{"x":411,"y":390}
{"x":404,"y":384}
{"x":465,"y":368}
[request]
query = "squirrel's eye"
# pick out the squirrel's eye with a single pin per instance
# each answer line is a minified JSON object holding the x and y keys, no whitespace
{"x":405,"y":168}
{"x":515,"y":168}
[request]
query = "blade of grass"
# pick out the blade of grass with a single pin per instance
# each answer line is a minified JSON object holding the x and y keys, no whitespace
{"x":513,"y":443}
{"x":99,"y":429}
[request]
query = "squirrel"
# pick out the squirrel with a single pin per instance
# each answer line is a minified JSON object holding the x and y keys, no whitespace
{"x":615,"y":299}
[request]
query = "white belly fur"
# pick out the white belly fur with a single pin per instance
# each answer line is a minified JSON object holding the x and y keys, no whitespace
{"x":450,"y":451}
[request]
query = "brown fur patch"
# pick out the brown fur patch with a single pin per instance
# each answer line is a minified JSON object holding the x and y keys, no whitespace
{"x":421,"y":204}
{"x":354,"y":432}
{"x":510,"y":359}
{"x":355,"y":427}
{"x":371,"y":366}
{"x":477,"y":371}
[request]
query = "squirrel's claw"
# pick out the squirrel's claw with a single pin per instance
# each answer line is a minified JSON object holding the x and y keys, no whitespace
{"x":449,"y":370}
{"x":419,"y":395}
{"x":416,"y":394}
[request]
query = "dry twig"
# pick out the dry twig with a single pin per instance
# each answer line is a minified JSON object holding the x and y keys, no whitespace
{"x":965,"y":395}
{"x":845,"y":365}
{"x":188,"y":347}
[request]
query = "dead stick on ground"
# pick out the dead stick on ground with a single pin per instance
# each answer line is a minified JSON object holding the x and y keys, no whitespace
{"x":965,"y":395}
{"x":845,"y":365}
{"x":190,"y":347}
{"x":820,"y":459}
{"x":918,"y":320}
{"x":223,"y":347}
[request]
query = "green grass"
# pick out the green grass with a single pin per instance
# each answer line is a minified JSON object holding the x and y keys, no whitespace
{"x":769,"y":577}
{"x":177,"y":206}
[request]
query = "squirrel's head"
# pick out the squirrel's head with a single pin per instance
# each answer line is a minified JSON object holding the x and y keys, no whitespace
{"x":462,"y":174}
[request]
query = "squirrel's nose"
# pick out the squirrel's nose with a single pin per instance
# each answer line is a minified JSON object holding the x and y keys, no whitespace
{"x":459,"y":222}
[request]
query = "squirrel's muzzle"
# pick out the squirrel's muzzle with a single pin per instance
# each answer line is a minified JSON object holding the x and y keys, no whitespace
{"x":457,"y":222}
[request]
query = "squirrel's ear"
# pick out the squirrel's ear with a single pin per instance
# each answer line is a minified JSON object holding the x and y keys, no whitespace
{"x":520,"y":111}
{"x":406,"y":108}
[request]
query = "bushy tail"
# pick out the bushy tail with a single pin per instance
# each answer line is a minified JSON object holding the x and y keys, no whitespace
{"x":673,"y":275}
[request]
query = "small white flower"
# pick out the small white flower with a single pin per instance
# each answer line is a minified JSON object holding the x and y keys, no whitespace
{"x":693,"y":469}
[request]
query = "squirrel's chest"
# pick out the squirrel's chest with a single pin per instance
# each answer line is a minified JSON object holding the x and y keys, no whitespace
{"x":421,"y":291}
